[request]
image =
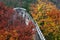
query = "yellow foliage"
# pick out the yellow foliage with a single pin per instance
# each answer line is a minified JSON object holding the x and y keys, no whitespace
{"x":47,"y":16}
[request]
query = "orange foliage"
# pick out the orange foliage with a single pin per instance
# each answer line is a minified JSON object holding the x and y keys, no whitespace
{"x":48,"y":18}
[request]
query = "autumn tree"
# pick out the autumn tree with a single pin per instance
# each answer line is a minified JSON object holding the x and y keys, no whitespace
{"x":48,"y":18}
